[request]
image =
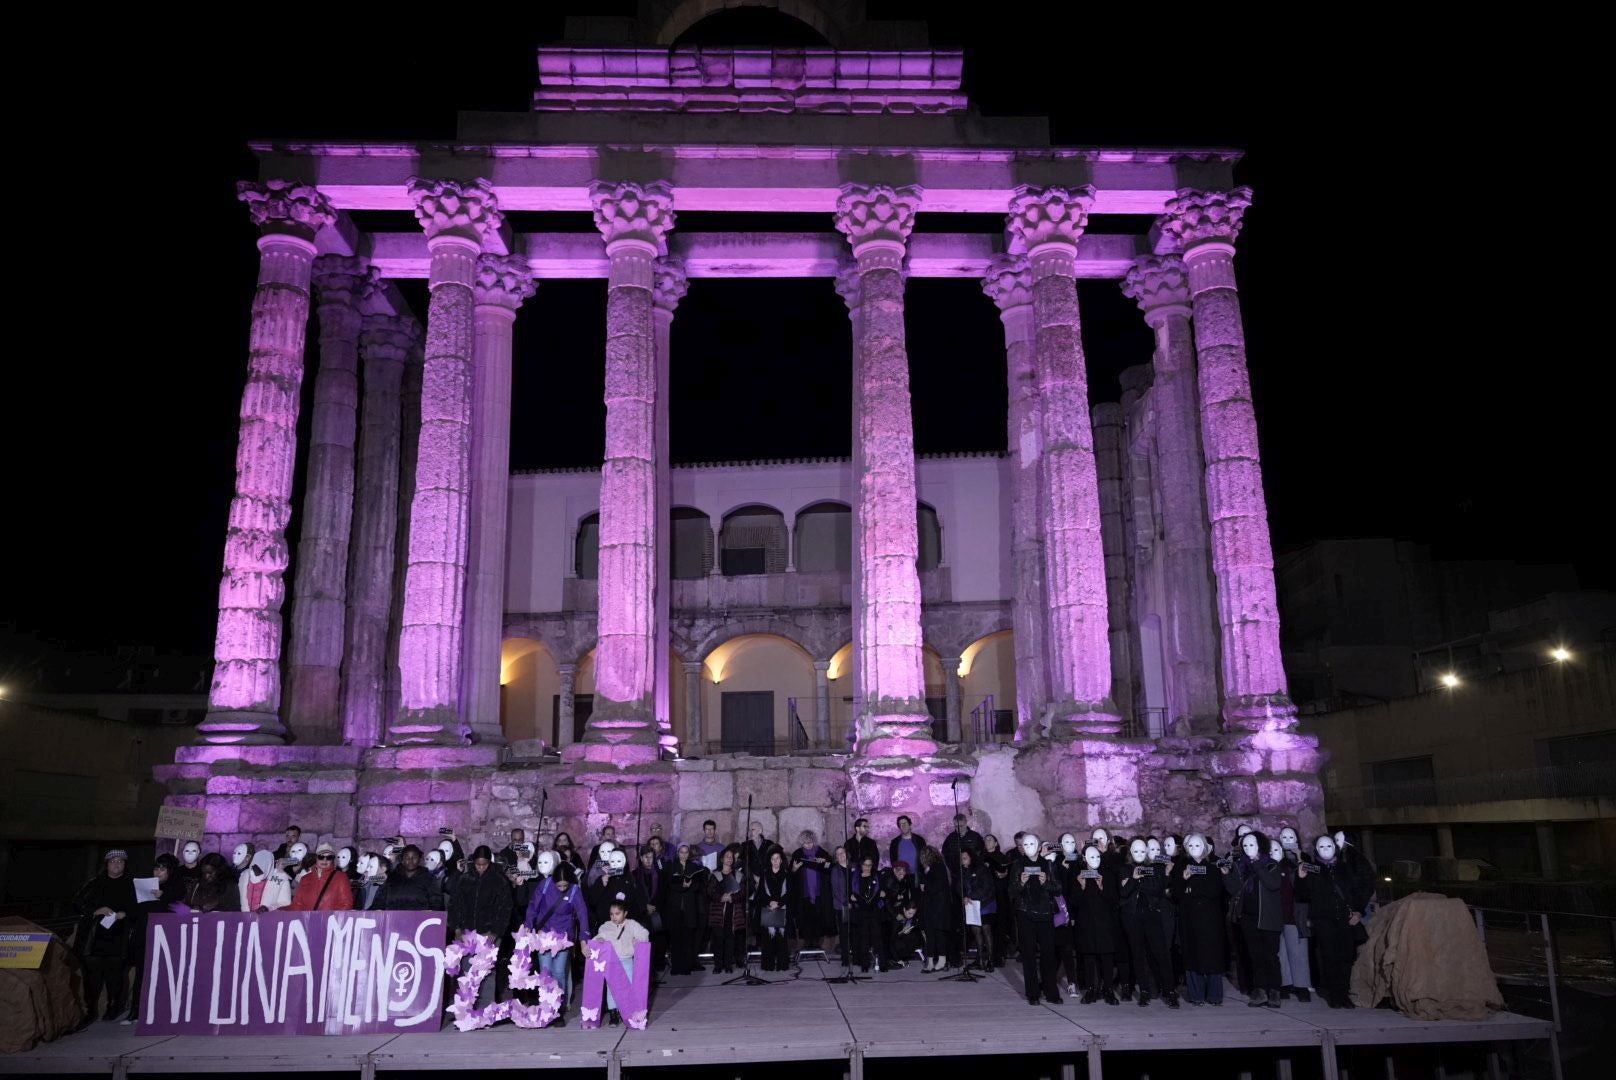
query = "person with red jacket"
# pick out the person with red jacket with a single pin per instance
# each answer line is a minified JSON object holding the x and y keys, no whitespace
{"x":325,"y":888}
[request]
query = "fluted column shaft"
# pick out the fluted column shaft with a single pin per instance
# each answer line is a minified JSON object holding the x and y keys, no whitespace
{"x":384,"y":347}
{"x":456,"y":216}
{"x":693,"y":732}
{"x":1108,"y":459}
{"x":244,"y":700}
{"x":503,"y":282}
{"x":668,"y":289}
{"x":877,"y":220}
{"x":1203,"y":226}
{"x":568,"y":693}
{"x":822,"y":703}
{"x":409,"y":452}
{"x":1009,"y":284}
{"x":319,"y":593}
{"x":1048,"y":223}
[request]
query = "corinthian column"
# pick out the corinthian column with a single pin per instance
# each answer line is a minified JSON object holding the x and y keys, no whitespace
{"x":847,"y":287}
{"x":634,"y":220}
{"x":503,"y":282}
{"x":1203,"y":226}
{"x":1009,"y":284}
{"x":668,"y":288}
{"x":244,"y":700}
{"x":876,"y":219}
{"x":457,"y":217}
{"x":1160,"y":285}
{"x":319,"y":592}
{"x":1048,"y":222}
{"x":384,"y":345}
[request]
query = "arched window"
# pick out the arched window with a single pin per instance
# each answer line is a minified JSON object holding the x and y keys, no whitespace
{"x":586,"y":549}
{"x":692,"y":538}
{"x":825,"y":537}
{"x":753,"y":541}
{"x":931,"y":538}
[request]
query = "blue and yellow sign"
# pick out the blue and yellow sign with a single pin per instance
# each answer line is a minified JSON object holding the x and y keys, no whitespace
{"x":23,"y":950}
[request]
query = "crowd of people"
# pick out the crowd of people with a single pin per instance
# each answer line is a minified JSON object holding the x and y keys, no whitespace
{"x":1108,"y":918}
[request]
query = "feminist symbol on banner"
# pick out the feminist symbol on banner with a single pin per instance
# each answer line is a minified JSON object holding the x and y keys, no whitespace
{"x":403,"y":978}
{"x":603,"y":968}
{"x":482,"y":951}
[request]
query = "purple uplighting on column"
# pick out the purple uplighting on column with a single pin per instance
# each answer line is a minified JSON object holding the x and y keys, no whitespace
{"x":319,"y":593}
{"x":877,"y":219}
{"x":1009,"y":284}
{"x":503,"y":283}
{"x":457,"y":217}
{"x":633,"y":220}
{"x":668,"y":289}
{"x":847,"y":287}
{"x":1160,"y":286}
{"x":1203,"y":226}
{"x":384,"y":345}
{"x":244,"y":700}
{"x":1047,"y":223}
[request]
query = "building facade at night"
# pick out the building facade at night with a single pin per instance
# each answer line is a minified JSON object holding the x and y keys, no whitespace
{"x":1081,"y":631}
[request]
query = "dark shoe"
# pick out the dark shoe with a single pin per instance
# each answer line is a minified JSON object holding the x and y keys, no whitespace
{"x":1344,"y":1003}
{"x":612,"y":1018}
{"x":559,"y":1021}
{"x":1127,"y":993}
{"x":1171,"y":998}
{"x":1273,"y":999}
{"x":1144,"y":999}
{"x":1033,"y":1002}
{"x":1090,"y":996}
{"x":111,"y":1013}
{"x":1258,"y":999}
{"x":1302,"y":995}
{"x":1111,"y":998}
{"x":1054,"y":999}
{"x":132,"y":1018}
{"x":1285,"y":991}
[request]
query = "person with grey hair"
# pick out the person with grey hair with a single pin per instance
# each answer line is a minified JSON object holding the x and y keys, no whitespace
{"x":811,"y":896}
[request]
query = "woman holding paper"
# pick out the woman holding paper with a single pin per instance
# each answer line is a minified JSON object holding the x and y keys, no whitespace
{"x":981,"y":907}
{"x":102,"y":942}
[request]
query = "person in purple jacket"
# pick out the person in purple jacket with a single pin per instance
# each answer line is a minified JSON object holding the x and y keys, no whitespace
{"x":561,"y":910}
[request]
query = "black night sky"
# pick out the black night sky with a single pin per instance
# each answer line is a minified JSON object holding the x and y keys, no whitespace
{"x":1429,"y":360}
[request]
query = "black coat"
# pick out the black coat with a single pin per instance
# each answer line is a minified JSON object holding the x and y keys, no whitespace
{"x":980,"y":884}
{"x":971,"y":842}
{"x":823,"y":907}
{"x":1092,"y":903}
{"x":770,"y":887}
{"x":914,"y":838}
{"x":685,"y":895}
{"x":481,"y":902}
{"x":603,"y":892}
{"x":937,"y":899}
{"x":419,"y":891}
{"x":1332,"y":894}
{"x":898,"y":893}
{"x":859,"y":850}
{"x":1033,"y":898}
{"x":1147,"y":893}
{"x":653,"y":886}
{"x":116,"y":894}
{"x":1257,"y":883}
{"x":1201,"y":928}
{"x":756,"y":857}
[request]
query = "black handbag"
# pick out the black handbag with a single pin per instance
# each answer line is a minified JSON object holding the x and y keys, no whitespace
{"x":773,"y":918}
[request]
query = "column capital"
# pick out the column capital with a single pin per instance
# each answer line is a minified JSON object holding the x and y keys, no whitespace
{"x":847,"y":283}
{"x":1008,"y":282}
{"x":342,"y":279}
{"x":692,"y":667}
{"x":566,"y":669}
{"x":1160,"y":285}
{"x":822,"y":666}
{"x":669,"y":283}
{"x":380,"y":333}
{"x":502,"y":281}
{"x":286,"y":208}
{"x":633,"y":215}
{"x":1048,"y":217}
{"x":464,"y":209}
{"x":1195,"y":219}
{"x":877,"y":216}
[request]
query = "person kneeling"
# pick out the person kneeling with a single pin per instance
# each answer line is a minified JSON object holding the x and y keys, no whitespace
{"x":622,"y":934}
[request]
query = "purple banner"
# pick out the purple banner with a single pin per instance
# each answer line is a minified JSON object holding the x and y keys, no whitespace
{"x":294,"y":973}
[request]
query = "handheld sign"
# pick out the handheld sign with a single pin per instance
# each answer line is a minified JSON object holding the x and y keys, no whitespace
{"x":1090,"y":874}
{"x":23,"y":950}
{"x":1197,"y":871}
{"x":180,"y":823}
{"x":1147,"y":871}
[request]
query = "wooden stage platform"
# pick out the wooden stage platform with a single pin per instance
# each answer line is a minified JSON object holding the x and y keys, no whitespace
{"x":697,"y":1021}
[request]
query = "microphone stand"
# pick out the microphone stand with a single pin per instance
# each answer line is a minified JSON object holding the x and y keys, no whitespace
{"x":847,"y":975}
{"x":965,"y":974}
{"x":746,"y":977}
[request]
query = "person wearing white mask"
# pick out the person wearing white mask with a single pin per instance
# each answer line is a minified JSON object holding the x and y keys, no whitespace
{"x":1198,"y":887}
{"x":1253,"y":883}
{"x":297,"y":862}
{"x":1095,"y":920}
{"x":1033,"y":889}
{"x":241,"y":857}
{"x":1143,"y":897}
{"x":1295,"y":976}
{"x":264,"y":887}
{"x":1068,"y":865}
{"x":1335,"y":902}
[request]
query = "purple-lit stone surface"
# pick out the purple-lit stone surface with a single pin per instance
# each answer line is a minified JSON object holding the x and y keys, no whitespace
{"x":847,"y":287}
{"x":244,"y":700}
{"x":668,"y":288}
{"x":503,"y":283}
{"x":877,"y":219}
{"x":1009,"y":284}
{"x":457,"y":217}
{"x":384,"y":345}
{"x":1046,"y":223}
{"x":1203,"y":225}
{"x":313,"y":707}
{"x":1108,"y":435}
{"x":1160,"y":286}
{"x":633,"y":220}
{"x":409,"y":445}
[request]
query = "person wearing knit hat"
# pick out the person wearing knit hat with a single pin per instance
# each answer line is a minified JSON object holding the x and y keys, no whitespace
{"x":325,"y":888}
{"x":104,"y":905}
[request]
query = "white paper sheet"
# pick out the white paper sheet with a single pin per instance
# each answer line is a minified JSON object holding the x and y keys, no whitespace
{"x":108,"y":920}
{"x":710,"y":860}
{"x":145,"y":889}
{"x":973,"y":913}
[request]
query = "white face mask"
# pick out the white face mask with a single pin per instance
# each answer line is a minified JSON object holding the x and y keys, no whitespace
{"x":1029,"y":846}
{"x":1139,"y":852}
{"x":297,"y":852}
{"x":1069,"y":846}
{"x":344,"y":859}
{"x":1326,"y":848}
{"x":191,"y":853}
{"x":447,"y":848}
{"x":1275,"y":851}
{"x":1091,"y":857}
{"x":238,"y":857}
{"x":606,"y":849}
{"x":434,"y":859}
{"x":1170,"y":847}
{"x":1288,"y":840}
{"x":1153,"y":848}
{"x":1248,"y":845}
{"x":367,"y":866}
{"x":1340,"y":839}
{"x":1242,"y":830}
{"x":617,"y":861}
{"x":1195,"y":846}
{"x":1100,"y":839}
{"x":547,"y":863}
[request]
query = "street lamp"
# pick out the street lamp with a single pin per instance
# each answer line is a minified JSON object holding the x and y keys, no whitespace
{"x":1560,"y":654}
{"x":1450,"y":680}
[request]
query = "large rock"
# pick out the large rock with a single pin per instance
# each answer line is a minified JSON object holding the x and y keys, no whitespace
{"x":706,"y":791}
{"x":795,"y":819}
{"x":766,"y":787}
{"x":816,"y":787}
